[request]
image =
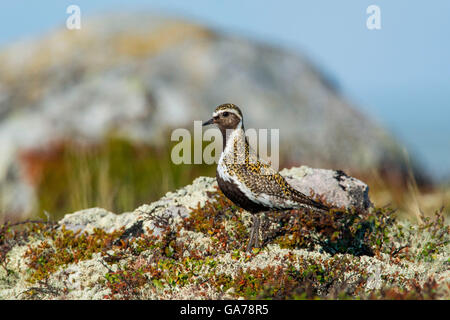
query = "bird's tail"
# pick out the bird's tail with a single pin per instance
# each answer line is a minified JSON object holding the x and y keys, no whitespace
{"x":308,"y":203}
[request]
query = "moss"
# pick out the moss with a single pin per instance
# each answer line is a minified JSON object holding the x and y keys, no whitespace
{"x":211,"y":220}
{"x":62,"y":247}
{"x":16,"y":234}
{"x":439,"y":236}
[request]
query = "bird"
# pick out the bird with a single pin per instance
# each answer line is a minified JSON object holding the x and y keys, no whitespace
{"x":249,"y":181}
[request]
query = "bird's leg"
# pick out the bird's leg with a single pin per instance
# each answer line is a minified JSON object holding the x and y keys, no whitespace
{"x":254,"y":234}
{"x":250,"y":240}
{"x":257,"y":222}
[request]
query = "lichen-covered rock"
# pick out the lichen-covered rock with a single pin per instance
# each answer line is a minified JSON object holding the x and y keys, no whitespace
{"x":337,"y":188}
{"x":89,"y":219}
{"x":189,"y":245}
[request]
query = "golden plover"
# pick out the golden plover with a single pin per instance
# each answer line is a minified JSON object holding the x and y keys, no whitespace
{"x":247,"y":180}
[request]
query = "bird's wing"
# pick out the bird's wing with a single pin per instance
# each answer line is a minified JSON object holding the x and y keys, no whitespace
{"x":269,"y":188}
{"x":264,"y":185}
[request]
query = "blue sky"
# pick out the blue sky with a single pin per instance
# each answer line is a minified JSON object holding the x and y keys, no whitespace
{"x":399,"y":74}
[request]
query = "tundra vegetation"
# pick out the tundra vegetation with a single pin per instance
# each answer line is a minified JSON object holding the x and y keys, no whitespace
{"x":201,"y":255}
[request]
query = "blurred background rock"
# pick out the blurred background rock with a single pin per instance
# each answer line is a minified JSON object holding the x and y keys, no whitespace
{"x":86,"y":115}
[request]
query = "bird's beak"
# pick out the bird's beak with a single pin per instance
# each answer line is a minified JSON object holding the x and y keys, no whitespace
{"x":207,"y":123}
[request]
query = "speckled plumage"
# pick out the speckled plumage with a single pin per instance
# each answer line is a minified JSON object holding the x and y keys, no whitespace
{"x":244,"y":178}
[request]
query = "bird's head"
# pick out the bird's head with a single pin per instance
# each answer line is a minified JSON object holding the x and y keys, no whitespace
{"x":226,"y":116}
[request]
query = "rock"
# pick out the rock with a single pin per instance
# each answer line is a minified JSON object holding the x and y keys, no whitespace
{"x":67,"y":86}
{"x":337,"y":188}
{"x":96,"y":218}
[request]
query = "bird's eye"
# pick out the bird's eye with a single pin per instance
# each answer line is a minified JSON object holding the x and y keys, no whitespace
{"x":225,"y":114}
